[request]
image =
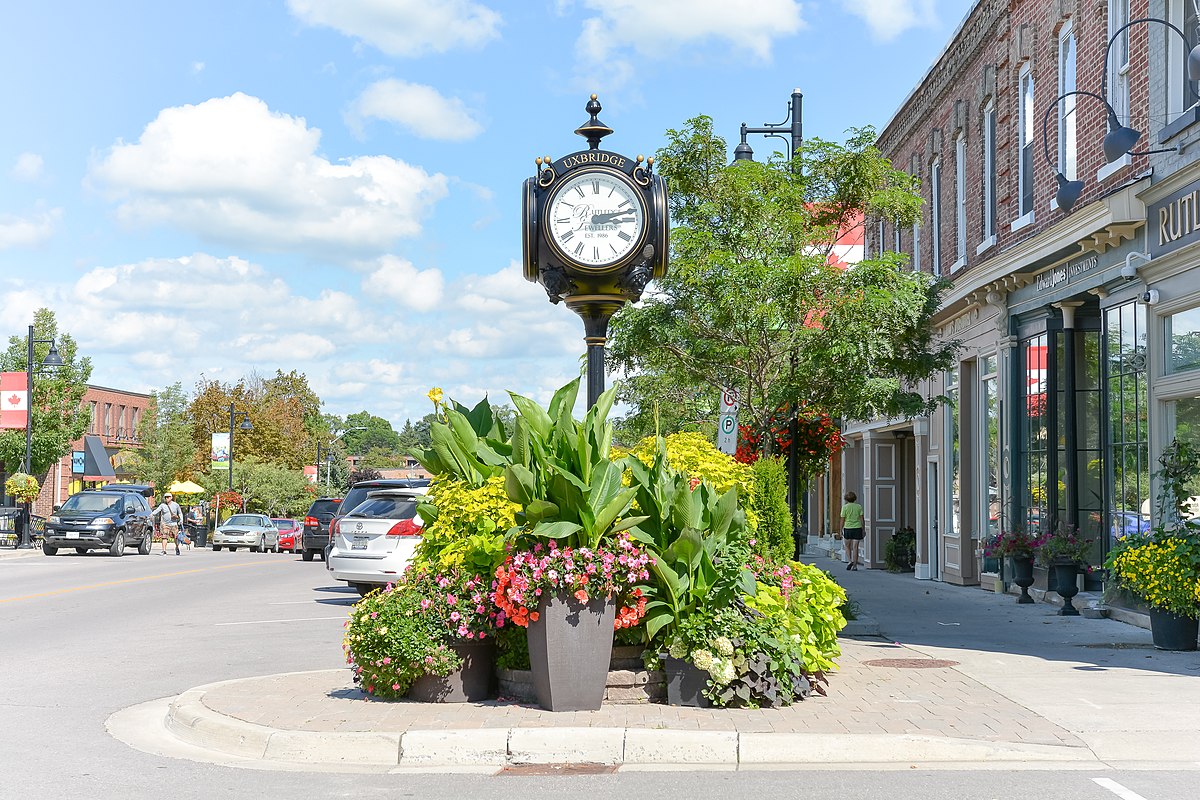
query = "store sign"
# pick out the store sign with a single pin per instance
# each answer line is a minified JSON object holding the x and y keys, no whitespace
{"x":77,"y":467}
{"x":1174,"y":222}
{"x":1066,"y":273}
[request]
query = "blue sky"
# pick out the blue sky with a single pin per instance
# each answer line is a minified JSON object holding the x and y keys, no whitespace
{"x":222,"y":187}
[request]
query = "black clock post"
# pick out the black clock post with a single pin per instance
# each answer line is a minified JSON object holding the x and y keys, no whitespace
{"x":595,"y":233}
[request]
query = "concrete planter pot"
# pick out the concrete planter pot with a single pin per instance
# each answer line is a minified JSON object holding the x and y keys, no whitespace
{"x":474,"y":682}
{"x":569,"y":651}
{"x":1022,"y":570}
{"x":685,"y":683}
{"x":1173,"y":631}
{"x":1064,"y":573}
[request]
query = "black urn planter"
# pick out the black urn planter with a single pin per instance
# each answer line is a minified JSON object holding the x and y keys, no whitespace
{"x":685,"y":683}
{"x":1173,"y":631}
{"x":1064,"y":583}
{"x":1022,"y":567}
{"x":570,"y":646}
{"x":474,"y":682}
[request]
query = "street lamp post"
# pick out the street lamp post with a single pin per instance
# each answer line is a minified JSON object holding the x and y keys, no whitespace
{"x":245,"y":425}
{"x":52,"y":359}
{"x":793,"y":125}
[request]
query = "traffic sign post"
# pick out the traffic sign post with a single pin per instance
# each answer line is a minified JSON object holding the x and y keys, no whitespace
{"x":727,"y":422}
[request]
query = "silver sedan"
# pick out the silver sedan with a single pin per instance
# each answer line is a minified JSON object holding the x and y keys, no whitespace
{"x":255,"y":531}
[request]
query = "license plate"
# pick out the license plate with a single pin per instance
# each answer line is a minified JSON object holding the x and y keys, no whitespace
{"x":72,"y":534}
{"x":360,"y":542}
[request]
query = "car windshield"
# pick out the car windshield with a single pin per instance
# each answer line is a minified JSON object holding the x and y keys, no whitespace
{"x":282,"y":523}
{"x":92,"y":502}
{"x":323,"y":507}
{"x":386,"y":508}
{"x":242,"y":519}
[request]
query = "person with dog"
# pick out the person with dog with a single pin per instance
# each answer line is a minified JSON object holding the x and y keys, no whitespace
{"x":168,"y":521}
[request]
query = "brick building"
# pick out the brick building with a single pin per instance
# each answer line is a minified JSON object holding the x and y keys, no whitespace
{"x":1057,"y":413}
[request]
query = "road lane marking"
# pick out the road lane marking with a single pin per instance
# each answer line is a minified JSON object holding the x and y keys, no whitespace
{"x":1117,"y":789}
{"x":269,"y":621}
{"x":124,"y":581}
{"x":292,"y":602}
{"x":1089,"y":702}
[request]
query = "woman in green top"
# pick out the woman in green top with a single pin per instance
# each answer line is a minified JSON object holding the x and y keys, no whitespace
{"x":852,"y":529}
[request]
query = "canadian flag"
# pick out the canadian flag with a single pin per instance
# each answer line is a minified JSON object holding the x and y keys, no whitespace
{"x":14,"y":399}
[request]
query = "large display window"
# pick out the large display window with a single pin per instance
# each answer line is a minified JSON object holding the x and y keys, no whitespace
{"x":1128,"y":420}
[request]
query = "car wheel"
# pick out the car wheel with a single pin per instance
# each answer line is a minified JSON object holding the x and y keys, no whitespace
{"x":254,"y":548}
{"x":118,"y":544}
{"x":144,"y":545}
{"x":81,"y":550}
{"x":307,"y":555}
{"x":216,"y":548}
{"x":365,"y":589}
{"x":49,"y":549}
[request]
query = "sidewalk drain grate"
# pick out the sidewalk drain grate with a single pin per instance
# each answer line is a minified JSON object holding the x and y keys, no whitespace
{"x":911,"y":663}
{"x":559,"y":769}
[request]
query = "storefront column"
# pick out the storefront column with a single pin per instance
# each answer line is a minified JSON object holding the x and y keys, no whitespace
{"x":1071,"y":434}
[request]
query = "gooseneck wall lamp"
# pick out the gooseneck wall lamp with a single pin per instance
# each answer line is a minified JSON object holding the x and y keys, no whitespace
{"x":1120,"y":139}
{"x":793,"y":125}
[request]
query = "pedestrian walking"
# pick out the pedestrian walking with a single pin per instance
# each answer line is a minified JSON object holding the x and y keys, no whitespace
{"x":852,"y":529}
{"x":168,"y":519}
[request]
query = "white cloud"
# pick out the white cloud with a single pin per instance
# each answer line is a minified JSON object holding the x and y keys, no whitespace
{"x":659,"y":29}
{"x":28,"y":231}
{"x":887,"y":19}
{"x":231,"y":170}
{"x":404,"y":27}
{"x":28,"y":167}
{"x":397,"y":279}
{"x":420,"y":109}
{"x":197,"y":67}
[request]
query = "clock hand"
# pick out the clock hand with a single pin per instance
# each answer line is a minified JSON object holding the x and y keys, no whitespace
{"x":612,"y":216}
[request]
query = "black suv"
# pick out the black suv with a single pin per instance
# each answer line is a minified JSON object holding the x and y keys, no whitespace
{"x":316,"y":526}
{"x":109,"y":518}
{"x":356,"y":495}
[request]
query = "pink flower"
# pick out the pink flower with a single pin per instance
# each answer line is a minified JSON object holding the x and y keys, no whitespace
{"x":395,"y":687}
{"x":455,"y":616}
{"x":387,"y":659}
{"x":462,"y":630}
{"x":451,"y":599}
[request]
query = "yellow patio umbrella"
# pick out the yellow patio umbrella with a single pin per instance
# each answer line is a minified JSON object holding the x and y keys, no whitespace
{"x":185,"y":487}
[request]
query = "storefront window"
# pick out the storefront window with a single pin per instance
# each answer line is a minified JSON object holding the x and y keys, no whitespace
{"x":1035,"y":436}
{"x":1183,"y":338}
{"x":954,"y":440}
{"x":1186,"y":413}
{"x":1128,"y":434}
{"x":989,"y":488}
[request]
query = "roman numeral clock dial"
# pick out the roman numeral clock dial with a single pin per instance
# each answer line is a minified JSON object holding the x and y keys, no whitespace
{"x":595,"y":219}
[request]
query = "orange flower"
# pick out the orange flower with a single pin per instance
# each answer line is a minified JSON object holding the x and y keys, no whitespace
{"x":581,"y":596}
{"x":533,"y":616}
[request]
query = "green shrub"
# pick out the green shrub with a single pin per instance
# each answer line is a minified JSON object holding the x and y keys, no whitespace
{"x":805,"y":604}
{"x":900,"y":552}
{"x":774,"y":538}
{"x":465,"y":525}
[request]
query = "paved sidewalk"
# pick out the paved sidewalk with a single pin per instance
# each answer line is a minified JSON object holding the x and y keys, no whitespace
{"x":960,"y":676}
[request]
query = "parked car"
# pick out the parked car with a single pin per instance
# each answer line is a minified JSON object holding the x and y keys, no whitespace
{"x":315,"y":538}
{"x":255,"y":531}
{"x":109,"y":518}
{"x":372,"y":545}
{"x":358,"y":493}
{"x":290,"y":533}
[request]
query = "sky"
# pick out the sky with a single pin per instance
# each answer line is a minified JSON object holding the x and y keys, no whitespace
{"x":216,"y":188}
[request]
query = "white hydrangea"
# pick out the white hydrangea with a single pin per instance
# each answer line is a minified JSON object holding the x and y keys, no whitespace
{"x":723,"y":646}
{"x":727,"y":673}
{"x":677,"y":650}
{"x":703,"y":660}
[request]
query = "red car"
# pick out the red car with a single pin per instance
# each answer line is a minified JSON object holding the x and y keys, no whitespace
{"x":289,"y":534}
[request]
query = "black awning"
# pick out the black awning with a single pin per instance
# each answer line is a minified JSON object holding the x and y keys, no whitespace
{"x":96,"y":466}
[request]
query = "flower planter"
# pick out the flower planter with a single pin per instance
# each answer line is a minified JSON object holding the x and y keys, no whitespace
{"x":685,"y":683}
{"x":1023,"y":576}
{"x":1173,"y":631}
{"x":470,"y":684}
{"x":1065,"y":584}
{"x":570,"y":645}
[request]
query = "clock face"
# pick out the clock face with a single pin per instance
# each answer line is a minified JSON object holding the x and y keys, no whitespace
{"x":595,"y":219}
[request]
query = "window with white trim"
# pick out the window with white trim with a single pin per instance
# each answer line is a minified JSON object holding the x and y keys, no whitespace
{"x":935,"y":216}
{"x":1025,"y":118}
{"x":1067,"y":143}
{"x":1118,"y":59}
{"x":989,"y":170}
{"x":960,"y":197}
{"x":1184,"y":14}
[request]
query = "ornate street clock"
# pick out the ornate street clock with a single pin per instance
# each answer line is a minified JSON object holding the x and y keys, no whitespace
{"x":595,"y":233}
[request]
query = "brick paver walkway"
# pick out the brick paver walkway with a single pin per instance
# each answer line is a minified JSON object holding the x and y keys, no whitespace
{"x":862,"y":699}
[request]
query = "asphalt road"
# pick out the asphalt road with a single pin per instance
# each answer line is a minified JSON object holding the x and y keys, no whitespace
{"x":82,"y":637}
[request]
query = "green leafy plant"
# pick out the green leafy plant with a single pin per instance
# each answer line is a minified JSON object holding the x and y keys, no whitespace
{"x":1163,"y":572}
{"x":900,"y":552}
{"x":697,"y":539}
{"x":23,"y":487}
{"x":1064,"y":544}
{"x":470,"y":445}
{"x":465,"y":525}
{"x":773,"y":537}
{"x":804,"y":604}
{"x":1016,"y":543}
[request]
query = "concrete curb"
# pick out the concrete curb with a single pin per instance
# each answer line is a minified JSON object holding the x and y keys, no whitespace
{"x":193,"y":723}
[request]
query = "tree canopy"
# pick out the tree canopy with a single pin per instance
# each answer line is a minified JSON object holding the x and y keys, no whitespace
{"x":751,"y":301}
{"x":168,"y":451}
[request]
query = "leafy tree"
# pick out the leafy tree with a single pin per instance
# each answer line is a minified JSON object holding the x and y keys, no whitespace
{"x":273,"y":489}
{"x":751,"y":301}
{"x":415,"y":435}
{"x":376,"y":432}
{"x":58,"y":414}
{"x":284,"y":412}
{"x":363,"y":474}
{"x":168,"y":450}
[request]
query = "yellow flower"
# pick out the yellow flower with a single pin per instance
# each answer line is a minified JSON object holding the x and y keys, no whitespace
{"x":435,"y":395}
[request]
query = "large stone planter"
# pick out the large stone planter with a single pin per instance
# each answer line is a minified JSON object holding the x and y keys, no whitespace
{"x":1172,"y":631}
{"x":628,"y":683}
{"x":471,"y":684}
{"x":569,"y":649}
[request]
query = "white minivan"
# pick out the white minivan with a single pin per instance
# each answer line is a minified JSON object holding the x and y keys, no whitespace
{"x":373,"y":543}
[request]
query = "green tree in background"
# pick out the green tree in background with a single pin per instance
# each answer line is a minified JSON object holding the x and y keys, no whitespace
{"x":751,"y":301}
{"x":376,"y":433}
{"x":168,"y":450}
{"x":58,"y":414}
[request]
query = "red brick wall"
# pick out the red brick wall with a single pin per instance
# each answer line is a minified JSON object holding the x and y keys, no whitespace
{"x":983,"y":61}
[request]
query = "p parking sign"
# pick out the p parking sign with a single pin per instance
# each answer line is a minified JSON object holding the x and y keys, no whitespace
{"x":727,"y":422}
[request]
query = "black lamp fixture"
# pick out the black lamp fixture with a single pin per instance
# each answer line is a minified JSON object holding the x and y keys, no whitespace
{"x":793,"y":125}
{"x":1120,"y":139}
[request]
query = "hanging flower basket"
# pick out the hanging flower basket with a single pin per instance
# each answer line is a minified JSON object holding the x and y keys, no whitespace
{"x":23,"y":487}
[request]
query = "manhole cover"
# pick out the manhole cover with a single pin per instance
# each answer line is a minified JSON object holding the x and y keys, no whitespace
{"x":559,"y":769}
{"x":911,"y":663}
